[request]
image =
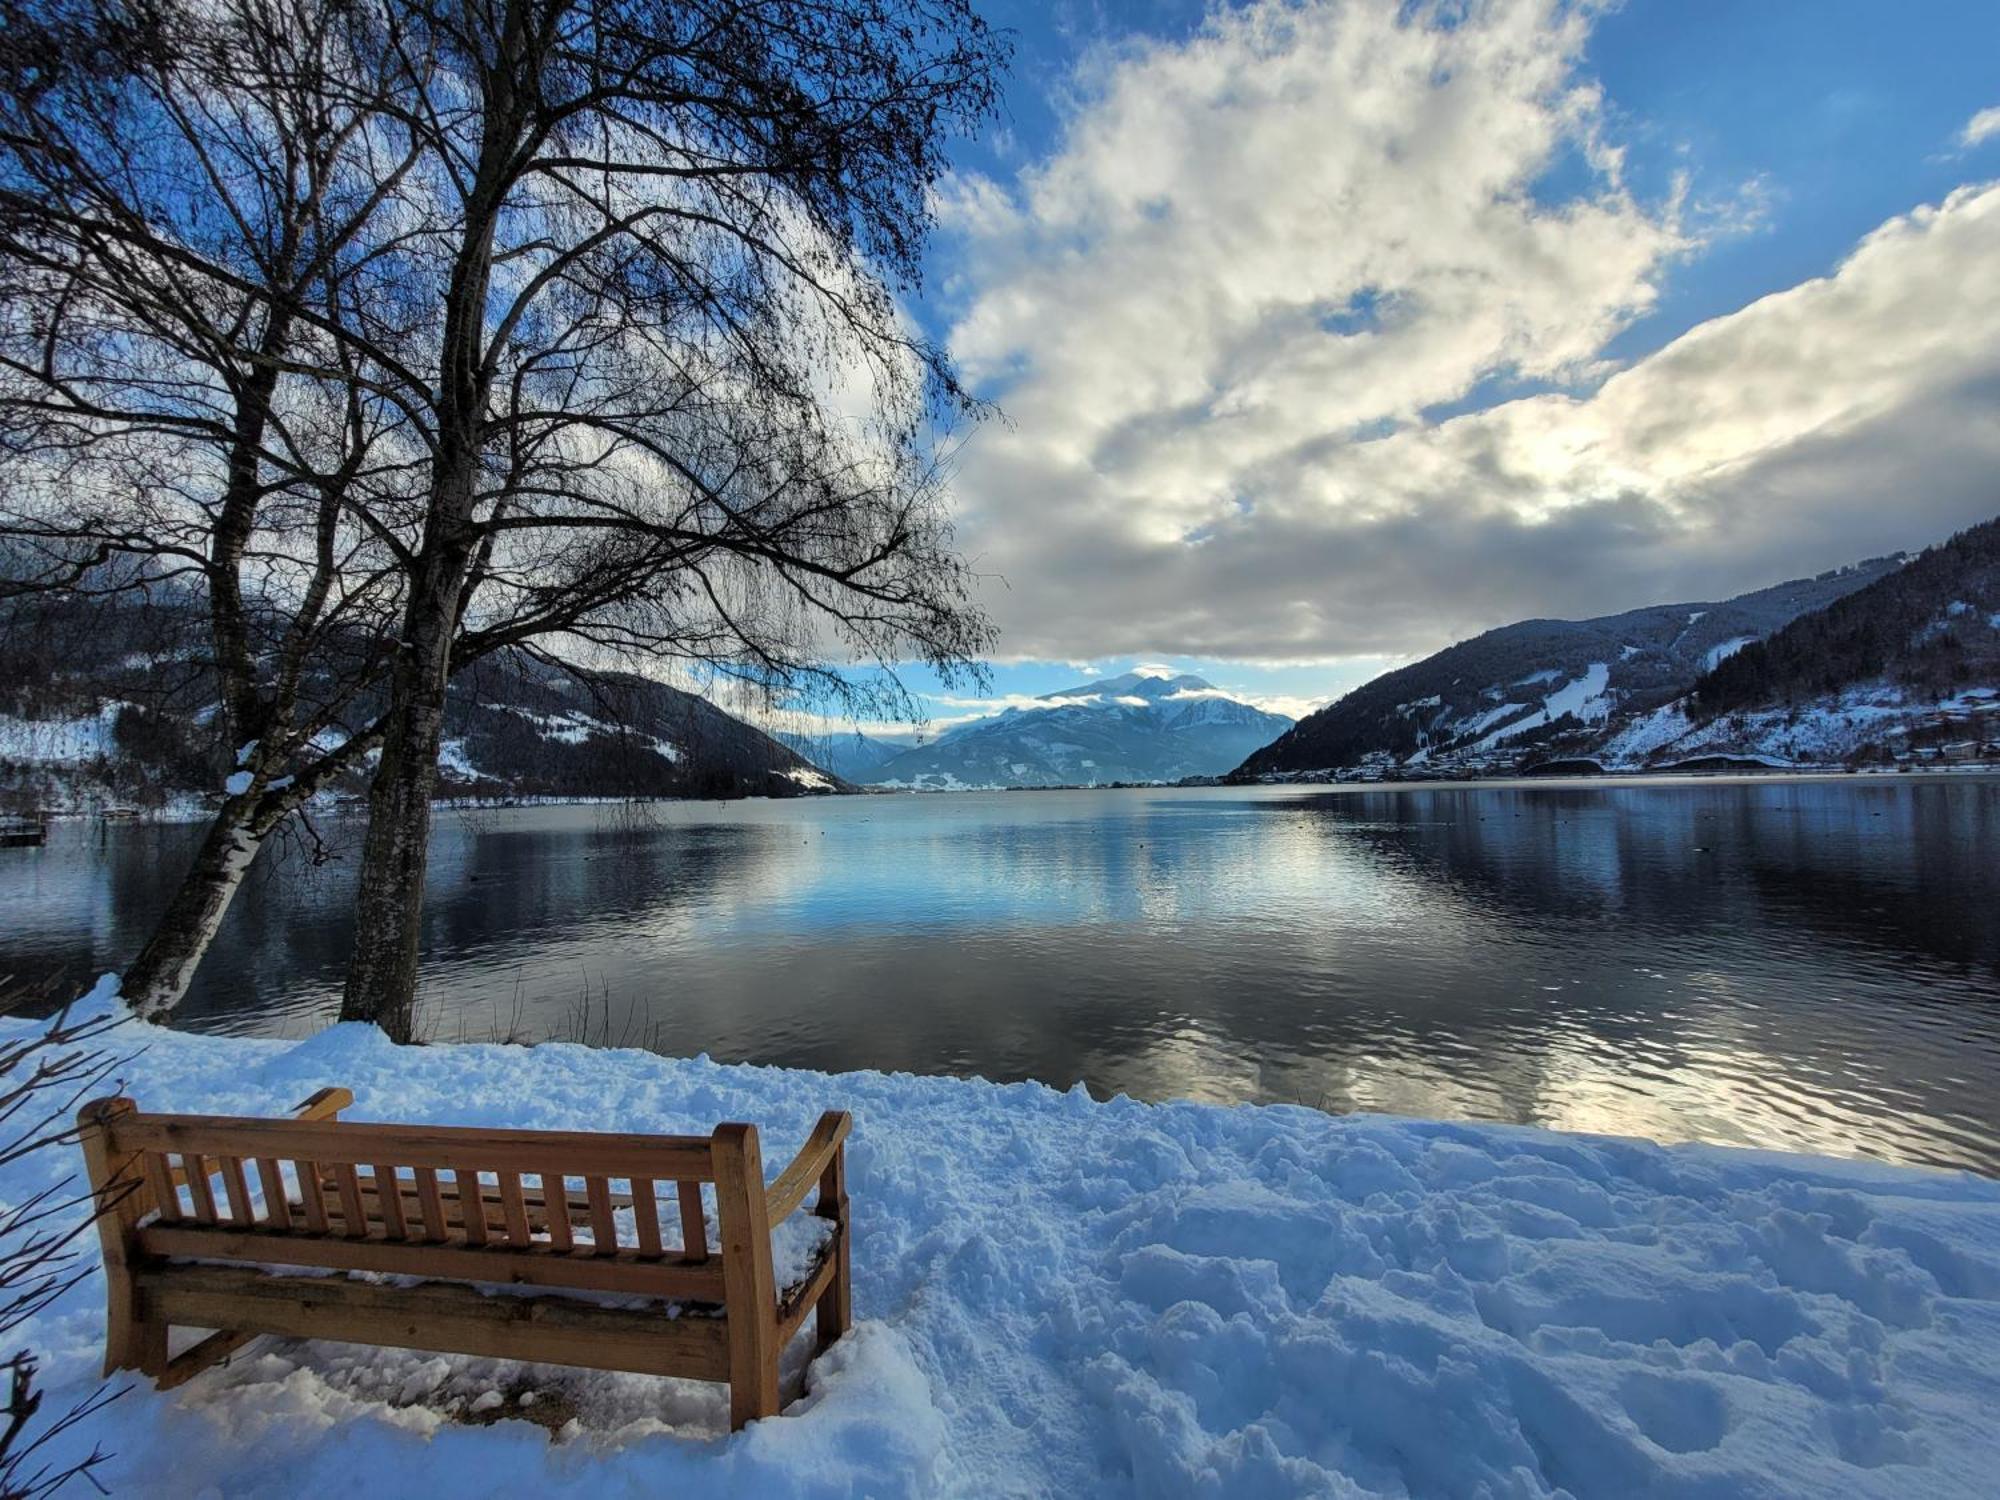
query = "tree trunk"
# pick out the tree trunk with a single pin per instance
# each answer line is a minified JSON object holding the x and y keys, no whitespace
{"x":395,"y":852}
{"x":388,"y":907}
{"x":158,"y":978}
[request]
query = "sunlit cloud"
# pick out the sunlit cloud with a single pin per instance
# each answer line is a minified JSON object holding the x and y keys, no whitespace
{"x":1306,"y":359}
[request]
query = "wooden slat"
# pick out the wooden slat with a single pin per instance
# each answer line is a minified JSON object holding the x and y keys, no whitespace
{"x":836,"y":1301}
{"x":472,"y":1207}
{"x":312,"y":1197}
{"x":237,"y":1189}
{"x":160,"y":1177}
{"x":205,"y":1355}
{"x":534,"y":1209}
{"x":441,"y":1147}
{"x":197,"y":1179}
{"x":555,"y":1192}
{"x":538,"y":1265}
{"x":803,"y":1174}
{"x":353,"y":1221}
{"x":277,"y":1202}
{"x":646,"y":1215}
{"x":603,"y":1227}
{"x":389,"y":1194}
{"x":429,"y":1206}
{"x":801,"y":1299}
{"x":514,"y":1209}
{"x":694,"y":1225}
{"x":450,"y":1319}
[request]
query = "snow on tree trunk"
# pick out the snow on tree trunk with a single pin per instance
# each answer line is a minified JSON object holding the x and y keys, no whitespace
{"x":158,"y":979}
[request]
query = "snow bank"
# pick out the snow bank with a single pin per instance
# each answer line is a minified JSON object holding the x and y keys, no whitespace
{"x":1063,"y":1297}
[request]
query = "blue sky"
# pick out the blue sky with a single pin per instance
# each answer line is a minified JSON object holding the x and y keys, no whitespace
{"x":1328,"y":334}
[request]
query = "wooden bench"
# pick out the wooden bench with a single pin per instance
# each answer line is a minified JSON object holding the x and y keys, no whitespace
{"x":200,"y":1215}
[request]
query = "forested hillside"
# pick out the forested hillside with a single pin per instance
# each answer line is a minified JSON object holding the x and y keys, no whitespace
{"x":104,"y":703}
{"x":1523,"y":692}
{"x":1931,"y":628}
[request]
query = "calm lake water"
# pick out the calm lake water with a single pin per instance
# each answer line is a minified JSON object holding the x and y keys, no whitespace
{"x":1810,"y":964}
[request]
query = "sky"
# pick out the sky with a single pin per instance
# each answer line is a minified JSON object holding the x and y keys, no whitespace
{"x":1327,"y":334}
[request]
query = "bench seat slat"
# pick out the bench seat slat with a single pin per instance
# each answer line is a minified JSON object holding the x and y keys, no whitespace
{"x":451,"y":1319}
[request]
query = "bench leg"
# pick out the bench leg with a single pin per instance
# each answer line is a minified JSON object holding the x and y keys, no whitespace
{"x":131,"y":1341}
{"x":747,"y":1284}
{"x":120,"y":1197}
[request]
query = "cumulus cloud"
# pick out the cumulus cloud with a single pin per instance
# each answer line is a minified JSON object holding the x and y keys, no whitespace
{"x":1305,"y":359}
{"x":1982,"y":127}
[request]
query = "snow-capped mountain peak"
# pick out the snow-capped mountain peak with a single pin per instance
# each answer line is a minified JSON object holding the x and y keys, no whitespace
{"x":1141,"y":725}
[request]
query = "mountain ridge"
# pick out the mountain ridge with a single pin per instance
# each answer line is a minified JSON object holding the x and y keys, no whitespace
{"x":1136,"y":726}
{"x":1609,"y":691}
{"x":127,"y":718}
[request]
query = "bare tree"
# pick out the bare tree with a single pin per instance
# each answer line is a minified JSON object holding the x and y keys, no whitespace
{"x":189,"y":200}
{"x":673,"y":405}
{"x":45,"y":1073}
{"x":406,"y":333}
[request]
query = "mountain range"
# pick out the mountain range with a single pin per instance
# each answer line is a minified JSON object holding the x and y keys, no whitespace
{"x":1140,"y":726}
{"x":1885,"y":660}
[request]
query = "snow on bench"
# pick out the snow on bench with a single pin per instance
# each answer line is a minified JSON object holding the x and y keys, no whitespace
{"x":210,"y":1221}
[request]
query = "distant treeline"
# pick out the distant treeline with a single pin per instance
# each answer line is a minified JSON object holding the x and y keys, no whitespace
{"x":1928,"y":627}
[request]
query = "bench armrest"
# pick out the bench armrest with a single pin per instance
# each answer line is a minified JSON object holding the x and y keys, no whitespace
{"x":325,"y":1105}
{"x":790,"y":1190}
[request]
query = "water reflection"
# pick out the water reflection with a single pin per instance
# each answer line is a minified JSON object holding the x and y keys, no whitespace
{"x":1797,"y":963}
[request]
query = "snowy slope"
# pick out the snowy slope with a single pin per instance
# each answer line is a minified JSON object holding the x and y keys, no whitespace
{"x":1527,"y":691}
{"x":1066,"y":1298}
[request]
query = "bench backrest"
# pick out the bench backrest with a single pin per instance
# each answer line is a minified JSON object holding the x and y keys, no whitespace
{"x":568,"y":1209}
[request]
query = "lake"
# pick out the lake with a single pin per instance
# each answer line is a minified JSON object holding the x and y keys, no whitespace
{"x":1787,"y":962}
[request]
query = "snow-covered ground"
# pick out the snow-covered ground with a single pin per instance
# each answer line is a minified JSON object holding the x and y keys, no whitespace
{"x":1063,"y":1297}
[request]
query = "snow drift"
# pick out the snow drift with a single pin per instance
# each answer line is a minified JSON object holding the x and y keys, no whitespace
{"x":1064,"y":1297}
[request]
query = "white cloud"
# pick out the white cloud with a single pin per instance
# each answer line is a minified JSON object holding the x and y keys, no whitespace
{"x":1223,"y":314}
{"x":1982,"y":127}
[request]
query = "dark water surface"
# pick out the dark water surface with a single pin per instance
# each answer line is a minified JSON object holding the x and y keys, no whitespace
{"x":1803,"y":963}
